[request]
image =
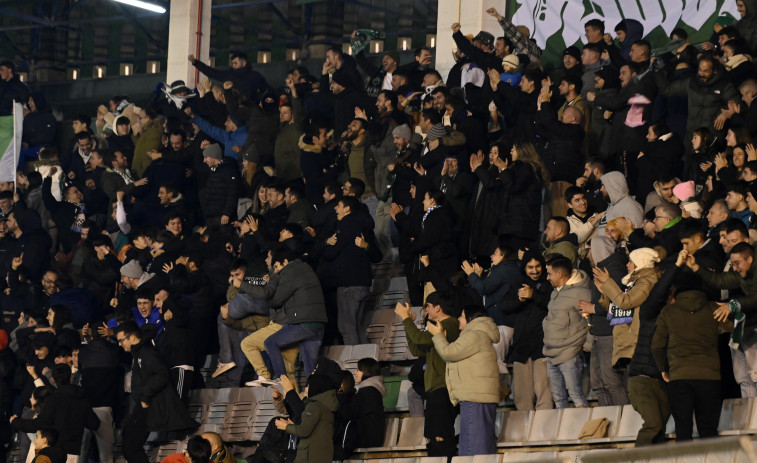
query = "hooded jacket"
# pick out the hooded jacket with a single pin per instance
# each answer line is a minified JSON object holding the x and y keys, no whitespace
{"x":685,"y":344}
{"x":566,"y":246}
{"x":624,"y":336}
{"x":747,"y":26}
{"x":366,"y":409}
{"x":421,"y":343}
{"x":621,"y":204}
{"x":316,"y":429}
{"x":634,"y":32}
{"x":564,"y":327}
{"x":472,"y":374}
{"x":286,"y":151}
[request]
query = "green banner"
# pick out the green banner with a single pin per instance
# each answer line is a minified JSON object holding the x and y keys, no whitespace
{"x":556,"y":24}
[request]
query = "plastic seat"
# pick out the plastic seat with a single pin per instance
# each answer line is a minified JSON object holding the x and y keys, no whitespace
{"x":528,"y":456}
{"x":544,"y":427}
{"x":571,"y":423}
{"x":612,"y":413}
{"x":411,"y":434}
{"x":402,"y":403}
{"x":734,"y":416}
{"x":515,"y":428}
{"x":630,"y":424}
{"x":398,"y":284}
{"x":390,"y":437}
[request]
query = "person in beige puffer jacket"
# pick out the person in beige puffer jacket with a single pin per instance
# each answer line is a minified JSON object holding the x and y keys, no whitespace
{"x":624,"y":303}
{"x":472,"y":376}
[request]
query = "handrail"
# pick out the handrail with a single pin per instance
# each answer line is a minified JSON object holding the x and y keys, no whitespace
{"x":742,"y":445}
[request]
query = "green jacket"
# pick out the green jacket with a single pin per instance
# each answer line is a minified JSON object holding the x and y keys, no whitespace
{"x":422,"y":343}
{"x":685,"y":343}
{"x":148,"y":140}
{"x":732,"y":280}
{"x":286,"y":151}
{"x":316,"y":429}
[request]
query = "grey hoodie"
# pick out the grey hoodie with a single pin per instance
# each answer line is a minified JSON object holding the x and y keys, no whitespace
{"x":373,"y":381}
{"x":621,"y":204}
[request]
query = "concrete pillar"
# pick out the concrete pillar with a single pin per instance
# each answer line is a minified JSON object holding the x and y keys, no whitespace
{"x":472,"y":16}
{"x":182,"y":39}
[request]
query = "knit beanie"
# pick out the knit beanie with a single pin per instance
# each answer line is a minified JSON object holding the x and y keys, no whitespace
{"x":132,"y":269}
{"x":402,"y":131}
{"x":341,"y":78}
{"x":644,"y":258}
{"x":685,"y":190}
{"x":213,"y":151}
{"x":436,"y":132}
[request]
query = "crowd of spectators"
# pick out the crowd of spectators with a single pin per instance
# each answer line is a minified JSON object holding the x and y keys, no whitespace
{"x":597,"y":215}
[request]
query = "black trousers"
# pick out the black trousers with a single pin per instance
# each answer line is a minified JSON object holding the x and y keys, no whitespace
{"x":439,"y":425}
{"x":135,"y":435}
{"x":698,"y":398}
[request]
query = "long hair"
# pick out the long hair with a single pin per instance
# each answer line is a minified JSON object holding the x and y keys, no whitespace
{"x":527,"y":153}
{"x":248,"y":171}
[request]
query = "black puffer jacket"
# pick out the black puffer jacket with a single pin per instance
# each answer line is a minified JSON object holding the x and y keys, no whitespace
{"x":560,"y":145}
{"x":221,"y":192}
{"x":294,"y":295}
{"x":262,"y":125}
{"x":706,"y":99}
{"x":528,"y":337}
{"x":642,"y":362}
{"x":521,"y":201}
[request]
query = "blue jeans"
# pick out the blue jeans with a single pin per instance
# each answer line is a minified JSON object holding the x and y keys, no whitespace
{"x":309,"y":338}
{"x":477,"y":435}
{"x":244,"y":304}
{"x":567,"y":375}
{"x":350,"y":301}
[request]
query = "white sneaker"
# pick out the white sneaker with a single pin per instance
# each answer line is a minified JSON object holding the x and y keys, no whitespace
{"x":257,"y":382}
{"x":223,"y":368}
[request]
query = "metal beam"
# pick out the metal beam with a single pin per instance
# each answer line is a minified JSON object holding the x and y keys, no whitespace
{"x":26,"y":17}
{"x":242,"y":4}
{"x":284,"y":19}
{"x":150,"y":37}
{"x":388,"y":12}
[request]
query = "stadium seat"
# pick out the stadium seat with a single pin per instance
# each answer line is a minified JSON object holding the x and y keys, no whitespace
{"x":612,"y":413}
{"x":237,"y":425}
{"x":734,"y":416}
{"x":515,"y":457}
{"x":402,"y":404}
{"x":170,"y":448}
{"x":544,"y":427}
{"x":411,"y":434}
{"x":630,"y":424}
{"x":571,"y":423}
{"x":515,"y":428}
{"x":390,"y":437}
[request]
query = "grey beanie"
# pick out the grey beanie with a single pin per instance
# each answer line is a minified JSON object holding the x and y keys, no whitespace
{"x":402,"y":131}
{"x":213,"y":151}
{"x":436,"y":132}
{"x":132,"y":269}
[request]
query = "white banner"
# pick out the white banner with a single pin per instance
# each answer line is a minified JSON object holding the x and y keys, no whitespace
{"x":545,"y":18}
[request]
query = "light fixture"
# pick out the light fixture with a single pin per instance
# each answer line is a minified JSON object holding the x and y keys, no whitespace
{"x":144,"y":5}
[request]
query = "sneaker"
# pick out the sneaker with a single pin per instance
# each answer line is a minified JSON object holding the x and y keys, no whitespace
{"x":257,"y":382}
{"x":271,"y":382}
{"x":223,"y":368}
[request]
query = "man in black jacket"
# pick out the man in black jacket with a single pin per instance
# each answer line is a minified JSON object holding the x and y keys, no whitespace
{"x":348,"y":256}
{"x":100,"y":380}
{"x":295,"y":297}
{"x":157,"y":406}
{"x":11,"y":88}
{"x":67,"y":411}
{"x":249,"y":83}
{"x":219,"y":197}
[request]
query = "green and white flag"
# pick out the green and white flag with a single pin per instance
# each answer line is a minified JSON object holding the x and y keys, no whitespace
{"x":11,"y":128}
